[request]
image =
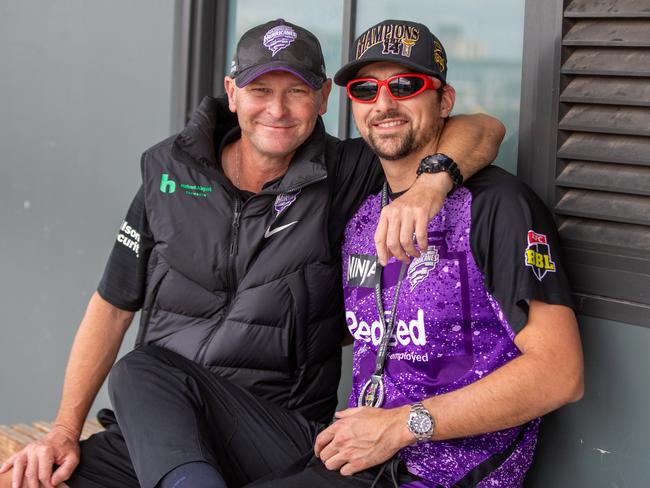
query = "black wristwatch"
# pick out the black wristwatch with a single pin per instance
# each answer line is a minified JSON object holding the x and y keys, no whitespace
{"x":435,"y":163}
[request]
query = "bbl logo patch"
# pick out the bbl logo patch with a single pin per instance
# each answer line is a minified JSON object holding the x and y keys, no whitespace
{"x":278,"y":38}
{"x":284,"y":200}
{"x":538,"y":255}
{"x":422,"y":266}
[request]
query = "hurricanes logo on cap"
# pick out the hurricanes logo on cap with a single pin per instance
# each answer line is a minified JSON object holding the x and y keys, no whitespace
{"x":279,"y":38}
{"x":538,"y":255}
{"x":395,"y":39}
{"x":439,"y":55}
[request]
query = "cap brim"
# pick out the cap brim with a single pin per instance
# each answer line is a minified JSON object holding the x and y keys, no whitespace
{"x":250,"y":74}
{"x":350,"y":70}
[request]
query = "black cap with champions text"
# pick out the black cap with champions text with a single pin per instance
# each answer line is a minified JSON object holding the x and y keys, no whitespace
{"x":278,"y":45}
{"x":400,"y":41}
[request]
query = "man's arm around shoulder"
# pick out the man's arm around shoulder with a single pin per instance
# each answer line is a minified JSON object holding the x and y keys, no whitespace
{"x":472,"y":141}
{"x":93,"y":353}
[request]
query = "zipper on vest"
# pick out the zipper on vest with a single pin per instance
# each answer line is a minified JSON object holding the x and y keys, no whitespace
{"x":234,"y":239}
{"x":234,"y":236}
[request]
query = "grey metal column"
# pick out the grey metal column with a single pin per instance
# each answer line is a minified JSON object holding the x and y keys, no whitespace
{"x":349,"y":24}
{"x":200,"y":54}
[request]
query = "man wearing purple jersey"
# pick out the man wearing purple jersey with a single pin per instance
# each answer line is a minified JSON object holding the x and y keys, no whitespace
{"x":458,"y":353}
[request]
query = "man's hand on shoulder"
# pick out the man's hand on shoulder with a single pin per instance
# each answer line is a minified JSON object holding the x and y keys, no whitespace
{"x":409,"y":216}
{"x":33,"y":465}
{"x":363,"y":437}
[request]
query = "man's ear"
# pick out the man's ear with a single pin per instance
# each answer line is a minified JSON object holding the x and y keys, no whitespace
{"x":229,"y":85}
{"x":325,"y":93}
{"x":447,"y":100}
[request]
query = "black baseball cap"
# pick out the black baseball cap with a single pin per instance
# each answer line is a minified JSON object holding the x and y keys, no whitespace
{"x":278,"y":45}
{"x":400,"y":41}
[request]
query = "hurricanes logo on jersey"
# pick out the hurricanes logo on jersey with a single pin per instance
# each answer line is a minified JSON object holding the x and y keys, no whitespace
{"x":422,"y":266}
{"x":538,"y":255}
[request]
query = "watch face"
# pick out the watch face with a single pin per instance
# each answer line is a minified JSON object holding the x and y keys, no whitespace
{"x":421,"y":424}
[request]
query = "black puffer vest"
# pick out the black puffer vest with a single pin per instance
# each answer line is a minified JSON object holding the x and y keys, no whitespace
{"x":250,"y":290}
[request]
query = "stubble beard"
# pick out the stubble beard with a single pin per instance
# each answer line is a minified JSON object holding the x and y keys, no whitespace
{"x":393,"y":148}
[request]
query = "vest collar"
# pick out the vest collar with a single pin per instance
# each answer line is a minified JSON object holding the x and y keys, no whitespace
{"x":212,"y":120}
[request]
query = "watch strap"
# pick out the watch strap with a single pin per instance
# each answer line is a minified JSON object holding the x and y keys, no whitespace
{"x":435,"y":163}
{"x":419,"y":410}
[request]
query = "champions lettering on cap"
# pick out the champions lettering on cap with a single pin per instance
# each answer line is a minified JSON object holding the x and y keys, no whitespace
{"x":407,"y":43}
{"x":278,"y":45}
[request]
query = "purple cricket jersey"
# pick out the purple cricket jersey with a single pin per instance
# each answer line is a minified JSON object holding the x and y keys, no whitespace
{"x":449,"y":331}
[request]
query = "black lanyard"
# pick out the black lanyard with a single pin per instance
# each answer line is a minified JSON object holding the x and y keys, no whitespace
{"x":372,"y":392}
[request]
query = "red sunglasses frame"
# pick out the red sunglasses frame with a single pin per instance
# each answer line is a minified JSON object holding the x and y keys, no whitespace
{"x":429,"y":84}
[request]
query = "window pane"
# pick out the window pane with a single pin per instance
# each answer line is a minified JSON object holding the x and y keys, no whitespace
{"x":484,"y":43}
{"x":323,"y":19}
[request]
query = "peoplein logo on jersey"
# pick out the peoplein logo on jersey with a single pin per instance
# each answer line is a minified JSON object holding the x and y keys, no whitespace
{"x":538,"y":255}
{"x":420,"y":267}
{"x":279,"y":38}
{"x":284,"y":201}
{"x":362,"y":270}
{"x":395,"y":38}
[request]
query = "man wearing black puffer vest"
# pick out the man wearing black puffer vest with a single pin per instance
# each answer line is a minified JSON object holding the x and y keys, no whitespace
{"x":231,"y":250}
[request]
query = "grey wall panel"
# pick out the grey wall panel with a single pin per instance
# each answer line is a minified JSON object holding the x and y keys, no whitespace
{"x":601,"y":441}
{"x":607,"y":8}
{"x":631,"y":121}
{"x":613,"y":149}
{"x":614,"y":61}
{"x":620,"y":32}
{"x":631,"y":209}
{"x":606,"y":177}
{"x":607,"y":90}
{"x":85,"y":88}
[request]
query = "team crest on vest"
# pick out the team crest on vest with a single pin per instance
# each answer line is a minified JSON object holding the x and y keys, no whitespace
{"x":422,"y":266}
{"x":538,"y":255}
{"x":279,"y":38}
{"x":284,"y":201}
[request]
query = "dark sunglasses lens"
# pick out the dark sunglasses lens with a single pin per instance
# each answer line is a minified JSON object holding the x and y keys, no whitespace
{"x":363,"y":90}
{"x":405,"y":86}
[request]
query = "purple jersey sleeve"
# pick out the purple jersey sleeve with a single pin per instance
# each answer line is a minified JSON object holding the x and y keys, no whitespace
{"x":123,"y":282}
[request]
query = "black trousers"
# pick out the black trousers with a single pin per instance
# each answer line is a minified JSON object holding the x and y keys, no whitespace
{"x":171,"y":411}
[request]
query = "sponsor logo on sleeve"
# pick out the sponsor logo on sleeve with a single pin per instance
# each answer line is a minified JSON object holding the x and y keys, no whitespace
{"x":129,"y":238}
{"x":538,"y":255}
{"x":362,"y":269}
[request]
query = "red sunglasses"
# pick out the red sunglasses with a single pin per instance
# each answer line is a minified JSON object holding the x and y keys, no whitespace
{"x":400,"y":87}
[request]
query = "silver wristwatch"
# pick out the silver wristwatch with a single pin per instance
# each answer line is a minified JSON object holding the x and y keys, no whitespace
{"x":420,"y":422}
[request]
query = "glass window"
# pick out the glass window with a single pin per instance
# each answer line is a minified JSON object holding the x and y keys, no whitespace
{"x":323,"y":19}
{"x":484,"y":42}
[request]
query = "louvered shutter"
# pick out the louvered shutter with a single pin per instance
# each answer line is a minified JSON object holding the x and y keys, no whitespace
{"x":600,"y":186}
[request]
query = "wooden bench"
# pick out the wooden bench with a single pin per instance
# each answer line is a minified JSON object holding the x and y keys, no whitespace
{"x":14,"y":437}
